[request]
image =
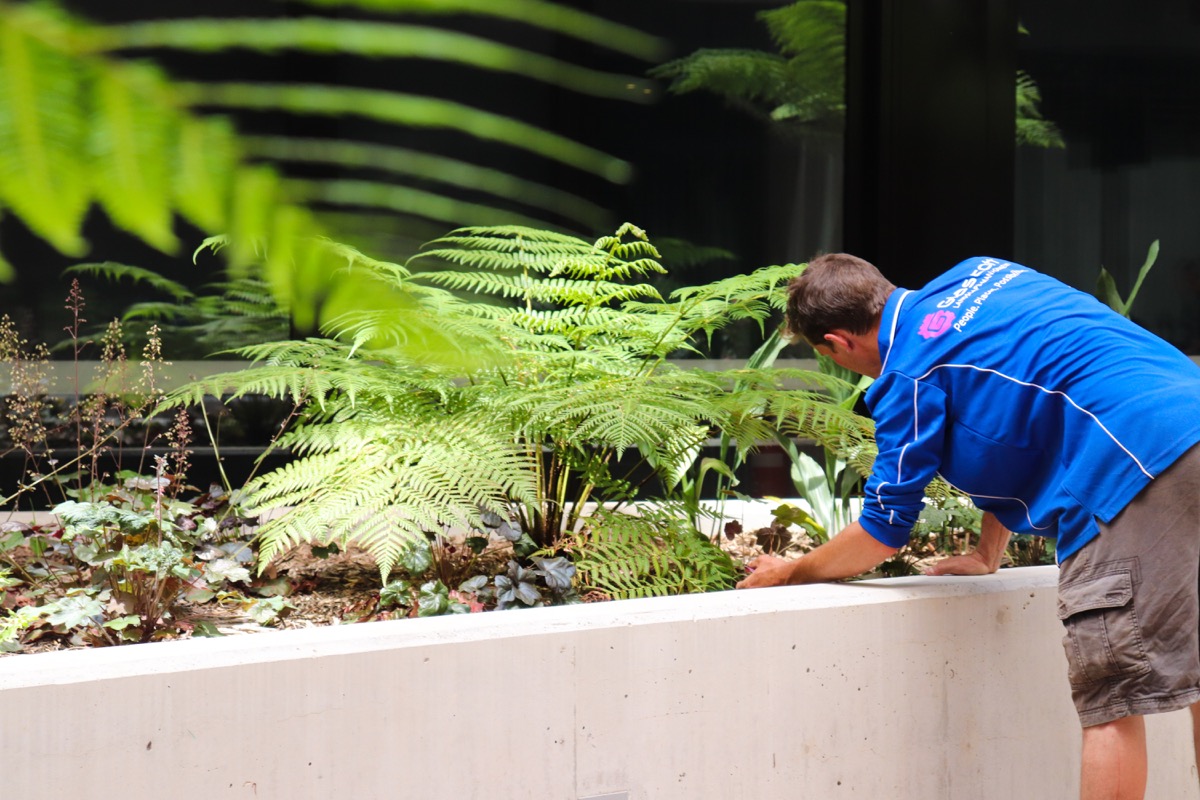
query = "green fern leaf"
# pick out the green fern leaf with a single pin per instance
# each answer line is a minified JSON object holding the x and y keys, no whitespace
{"x":411,"y":110}
{"x":546,"y":15}
{"x":127,"y":124}
{"x":430,"y":168}
{"x":368,"y":39}
{"x":43,"y":177}
{"x":206,"y":160}
{"x":402,"y":199}
{"x":112,"y":271}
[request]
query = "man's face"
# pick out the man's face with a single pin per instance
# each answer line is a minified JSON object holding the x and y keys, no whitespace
{"x":855,"y":359}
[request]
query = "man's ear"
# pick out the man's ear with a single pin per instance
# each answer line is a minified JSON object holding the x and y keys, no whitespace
{"x":839,"y":338}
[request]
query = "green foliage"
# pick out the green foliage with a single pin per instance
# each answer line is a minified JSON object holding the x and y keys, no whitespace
{"x":112,"y":408}
{"x":947,"y":524}
{"x":1033,"y":129}
{"x":231,"y":313}
{"x":550,"y":581}
{"x":564,"y":395}
{"x":120,"y":569}
{"x":88,"y":119}
{"x":1107,"y":286}
{"x":654,"y":553}
{"x":803,"y":85}
{"x":126,"y":552}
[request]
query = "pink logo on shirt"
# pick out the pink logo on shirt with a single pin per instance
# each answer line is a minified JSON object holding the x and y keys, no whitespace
{"x":936,"y":324}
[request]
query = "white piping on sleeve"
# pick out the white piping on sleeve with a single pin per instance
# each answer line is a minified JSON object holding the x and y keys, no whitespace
{"x":903,"y":451}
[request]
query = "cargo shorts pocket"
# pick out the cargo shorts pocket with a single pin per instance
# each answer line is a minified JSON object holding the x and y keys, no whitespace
{"x":1104,"y":638}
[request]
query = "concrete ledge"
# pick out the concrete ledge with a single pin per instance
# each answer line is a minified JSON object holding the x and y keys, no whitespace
{"x":908,"y":688}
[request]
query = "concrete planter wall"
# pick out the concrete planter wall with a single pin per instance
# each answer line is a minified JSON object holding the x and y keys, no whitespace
{"x":909,"y":688}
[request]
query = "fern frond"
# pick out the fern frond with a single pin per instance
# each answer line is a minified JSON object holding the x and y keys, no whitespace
{"x":509,"y":248}
{"x":362,"y":38}
{"x":544,"y":290}
{"x":1032,"y":128}
{"x":205,"y":164}
{"x":550,"y":16}
{"x":411,"y":110}
{"x":654,"y":554}
{"x":811,"y":34}
{"x":765,"y":283}
{"x":423,"y":336}
{"x":428,"y":167}
{"x":378,"y":484}
{"x":312,"y":370}
{"x":112,"y":271}
{"x":619,"y":411}
{"x":43,"y":128}
{"x":129,"y":122}
{"x":353,"y":258}
{"x":163,"y":312}
{"x":402,"y":199}
{"x":737,"y":76}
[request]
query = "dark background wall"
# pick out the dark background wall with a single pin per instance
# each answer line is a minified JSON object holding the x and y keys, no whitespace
{"x":929,"y":133}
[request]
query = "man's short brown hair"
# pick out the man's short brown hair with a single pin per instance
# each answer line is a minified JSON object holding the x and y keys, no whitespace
{"x":836,"y":290}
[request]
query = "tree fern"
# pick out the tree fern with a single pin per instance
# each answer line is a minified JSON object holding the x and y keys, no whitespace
{"x":574,"y":402}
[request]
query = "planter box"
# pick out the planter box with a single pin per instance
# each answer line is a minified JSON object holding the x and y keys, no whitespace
{"x":909,"y":688}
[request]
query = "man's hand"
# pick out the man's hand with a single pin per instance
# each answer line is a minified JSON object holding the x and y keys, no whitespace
{"x":984,"y":559}
{"x":851,"y":552}
{"x":766,"y":570}
{"x":970,"y":564}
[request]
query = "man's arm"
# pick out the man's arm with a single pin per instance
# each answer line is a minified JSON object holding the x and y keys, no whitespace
{"x":984,"y":559}
{"x":852,"y":552}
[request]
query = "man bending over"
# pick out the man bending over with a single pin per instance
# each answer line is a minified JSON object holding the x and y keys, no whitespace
{"x":1059,"y":418}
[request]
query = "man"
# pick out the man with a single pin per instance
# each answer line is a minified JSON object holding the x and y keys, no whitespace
{"x":1059,"y":418}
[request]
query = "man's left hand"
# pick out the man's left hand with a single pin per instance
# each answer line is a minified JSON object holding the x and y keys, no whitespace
{"x":972,"y":563}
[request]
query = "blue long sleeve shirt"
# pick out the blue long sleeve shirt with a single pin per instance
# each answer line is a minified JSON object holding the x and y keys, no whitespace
{"x":1050,"y":410}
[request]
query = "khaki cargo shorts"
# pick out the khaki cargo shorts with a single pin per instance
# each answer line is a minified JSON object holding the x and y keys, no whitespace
{"x":1130,"y":603}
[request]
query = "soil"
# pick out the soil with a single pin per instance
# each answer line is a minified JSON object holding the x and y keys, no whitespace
{"x":344,"y":587}
{"x":337,"y":588}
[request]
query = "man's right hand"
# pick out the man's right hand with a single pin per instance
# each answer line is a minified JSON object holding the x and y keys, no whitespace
{"x":766,"y":570}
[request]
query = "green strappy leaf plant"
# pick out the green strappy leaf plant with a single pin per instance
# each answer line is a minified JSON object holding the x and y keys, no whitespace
{"x":1106,"y":285}
{"x":563,"y":399}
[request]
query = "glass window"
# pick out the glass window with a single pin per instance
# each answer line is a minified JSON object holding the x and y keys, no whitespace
{"x":1122,"y":83}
